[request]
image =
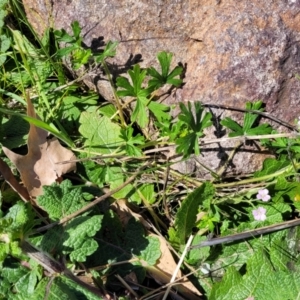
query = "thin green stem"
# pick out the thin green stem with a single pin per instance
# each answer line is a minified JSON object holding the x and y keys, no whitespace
{"x":119,"y":106}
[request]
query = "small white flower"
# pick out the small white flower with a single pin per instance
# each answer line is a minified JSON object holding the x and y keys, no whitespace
{"x":259,"y":214}
{"x":263,"y":195}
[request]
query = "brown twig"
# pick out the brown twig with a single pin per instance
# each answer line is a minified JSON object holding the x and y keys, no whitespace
{"x":56,"y":268}
{"x":247,"y":234}
{"x":96,"y":201}
{"x":264,"y":114}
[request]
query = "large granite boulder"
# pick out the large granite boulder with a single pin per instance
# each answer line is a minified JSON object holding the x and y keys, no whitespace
{"x":234,"y":51}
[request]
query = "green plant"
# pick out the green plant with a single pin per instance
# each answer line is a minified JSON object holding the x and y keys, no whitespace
{"x":188,"y":142}
{"x":249,"y":122}
{"x":99,"y":222}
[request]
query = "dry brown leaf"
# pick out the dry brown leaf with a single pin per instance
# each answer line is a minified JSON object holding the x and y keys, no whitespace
{"x":163,"y":270}
{"x":121,"y":208}
{"x":12,"y":181}
{"x":39,"y":166}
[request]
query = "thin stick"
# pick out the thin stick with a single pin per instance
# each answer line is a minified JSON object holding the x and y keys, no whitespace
{"x":247,"y":234}
{"x":187,"y":246}
{"x":96,"y":201}
{"x":251,"y":137}
{"x":225,"y":139}
{"x":127,"y":286}
{"x":264,"y":114}
{"x":229,"y":159}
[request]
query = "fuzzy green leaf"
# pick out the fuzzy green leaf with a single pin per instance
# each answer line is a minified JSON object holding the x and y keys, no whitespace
{"x":260,"y":282}
{"x":118,"y":244}
{"x":19,"y":216}
{"x":62,"y":288}
{"x":20,"y":219}
{"x":60,"y":200}
{"x":80,"y":232}
{"x":17,"y":282}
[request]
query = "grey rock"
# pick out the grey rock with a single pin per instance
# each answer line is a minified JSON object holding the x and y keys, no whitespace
{"x":234,"y":51}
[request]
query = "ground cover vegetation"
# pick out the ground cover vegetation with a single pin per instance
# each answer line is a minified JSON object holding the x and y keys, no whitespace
{"x":90,"y":205}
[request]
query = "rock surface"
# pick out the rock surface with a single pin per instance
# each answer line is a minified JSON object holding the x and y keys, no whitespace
{"x":234,"y":51}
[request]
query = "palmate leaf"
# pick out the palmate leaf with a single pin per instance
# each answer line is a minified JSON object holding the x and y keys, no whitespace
{"x":80,"y":57}
{"x":131,"y":141}
{"x":135,"y":89}
{"x":63,"y":36}
{"x":160,"y":111}
{"x":259,"y":130}
{"x":249,"y":121}
{"x":201,"y":120}
{"x":188,"y":144}
{"x":283,"y":144}
{"x":250,"y":118}
{"x":232,"y":125}
{"x":76,"y":30}
{"x":172,"y":130}
{"x":139,"y":113}
{"x":109,"y":51}
{"x":166,"y":77}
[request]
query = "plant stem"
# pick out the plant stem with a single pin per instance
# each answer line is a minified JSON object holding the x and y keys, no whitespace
{"x":119,"y":107}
